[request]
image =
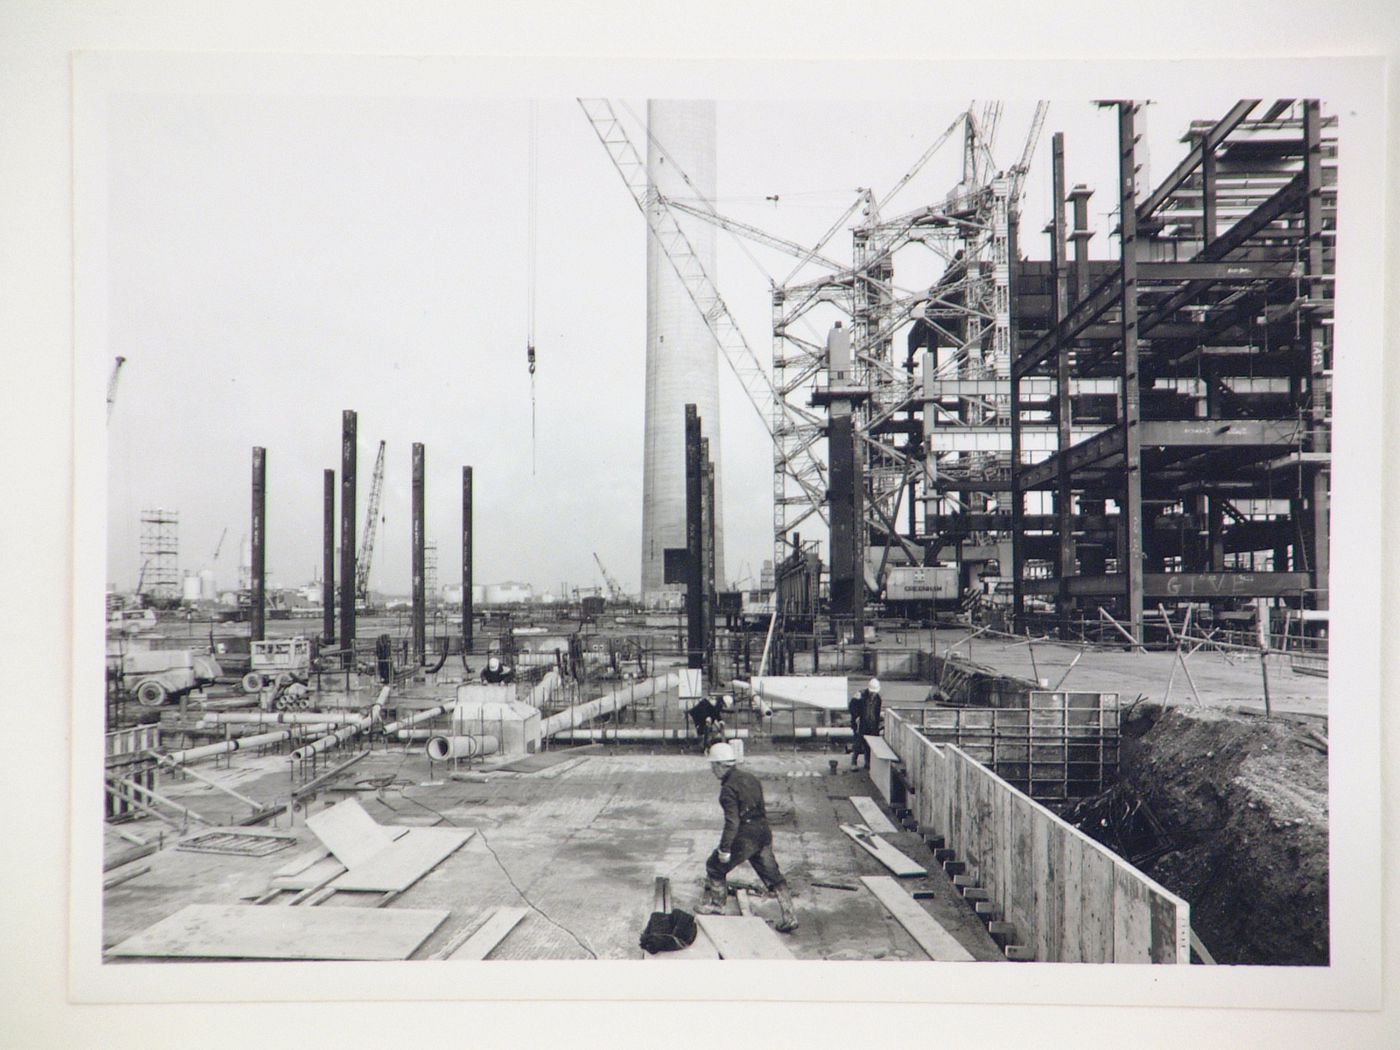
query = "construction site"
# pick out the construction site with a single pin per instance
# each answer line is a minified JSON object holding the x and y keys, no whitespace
{"x":1035,"y":669}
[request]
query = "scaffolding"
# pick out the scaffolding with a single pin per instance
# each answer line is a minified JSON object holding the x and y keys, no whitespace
{"x":160,"y":555}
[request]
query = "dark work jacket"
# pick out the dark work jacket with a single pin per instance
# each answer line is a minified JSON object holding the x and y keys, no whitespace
{"x":741,"y":798}
{"x":865,"y":713}
{"x":703,"y":712}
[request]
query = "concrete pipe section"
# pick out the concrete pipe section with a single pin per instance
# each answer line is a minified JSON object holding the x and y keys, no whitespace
{"x":441,"y":748}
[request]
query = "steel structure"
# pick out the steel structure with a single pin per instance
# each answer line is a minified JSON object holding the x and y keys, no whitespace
{"x":160,"y":554}
{"x":1202,"y":358}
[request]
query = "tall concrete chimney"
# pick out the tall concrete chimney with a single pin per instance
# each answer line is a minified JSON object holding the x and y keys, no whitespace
{"x":682,"y":358}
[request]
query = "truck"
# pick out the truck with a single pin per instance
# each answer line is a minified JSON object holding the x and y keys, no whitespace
{"x":154,"y":676}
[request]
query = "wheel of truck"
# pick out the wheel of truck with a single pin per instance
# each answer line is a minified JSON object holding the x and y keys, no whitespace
{"x":252,"y":682}
{"x":150,"y":693}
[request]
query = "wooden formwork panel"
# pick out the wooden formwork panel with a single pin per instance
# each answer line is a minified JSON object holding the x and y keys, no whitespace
{"x":1070,"y":899}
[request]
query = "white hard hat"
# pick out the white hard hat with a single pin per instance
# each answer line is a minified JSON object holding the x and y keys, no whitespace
{"x":874,"y":685}
{"x":493,"y":663}
{"x":722,"y":752}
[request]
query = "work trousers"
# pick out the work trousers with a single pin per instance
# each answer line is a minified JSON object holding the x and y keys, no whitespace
{"x":753,"y":843}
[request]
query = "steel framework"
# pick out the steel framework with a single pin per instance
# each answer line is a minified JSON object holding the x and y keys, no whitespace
{"x":160,"y":554}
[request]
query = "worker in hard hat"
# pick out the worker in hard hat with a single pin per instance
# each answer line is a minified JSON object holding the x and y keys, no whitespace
{"x":496,"y":673}
{"x":867,"y":710}
{"x":746,"y":837}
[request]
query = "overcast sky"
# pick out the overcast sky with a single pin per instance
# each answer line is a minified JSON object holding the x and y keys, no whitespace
{"x":273,"y":260}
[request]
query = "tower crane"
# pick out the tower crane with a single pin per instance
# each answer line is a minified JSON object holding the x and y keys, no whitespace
{"x":363,"y":559}
{"x":614,"y":591}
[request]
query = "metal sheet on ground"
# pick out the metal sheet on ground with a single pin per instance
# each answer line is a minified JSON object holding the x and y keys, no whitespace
{"x":872,"y":816}
{"x":937,"y":942}
{"x":405,"y":862}
{"x":493,"y":931}
{"x":743,"y":937}
{"x":349,"y":832}
{"x":221,"y":931}
{"x":895,"y":861}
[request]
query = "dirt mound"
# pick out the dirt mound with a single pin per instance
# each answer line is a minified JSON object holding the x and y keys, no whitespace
{"x":1228,"y":811}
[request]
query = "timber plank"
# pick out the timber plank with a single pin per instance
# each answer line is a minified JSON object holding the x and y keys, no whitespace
{"x":872,"y":815}
{"x":491,"y":933}
{"x":743,"y":937}
{"x":405,"y":862}
{"x":886,"y":854}
{"x":928,"y":933}
{"x":242,"y":931}
{"x":349,"y":832}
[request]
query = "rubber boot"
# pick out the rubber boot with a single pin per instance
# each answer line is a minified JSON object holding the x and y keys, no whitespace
{"x":788,"y":921}
{"x":715,"y":899}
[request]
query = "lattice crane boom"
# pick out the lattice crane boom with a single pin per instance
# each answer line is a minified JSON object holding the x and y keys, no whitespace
{"x":753,"y":377}
{"x":614,"y":590}
{"x":112,"y":386}
{"x":366,"y":555}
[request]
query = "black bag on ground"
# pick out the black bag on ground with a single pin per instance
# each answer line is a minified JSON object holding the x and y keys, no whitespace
{"x":669,"y":931}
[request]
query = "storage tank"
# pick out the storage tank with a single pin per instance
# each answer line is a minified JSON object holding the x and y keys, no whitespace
{"x":189,"y":588}
{"x":208,"y":588}
{"x":508,"y":593}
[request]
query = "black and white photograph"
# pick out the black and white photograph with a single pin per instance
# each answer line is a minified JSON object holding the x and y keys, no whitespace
{"x":529,"y":524}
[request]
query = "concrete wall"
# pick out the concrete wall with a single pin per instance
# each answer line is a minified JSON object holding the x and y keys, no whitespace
{"x":1071,"y":899}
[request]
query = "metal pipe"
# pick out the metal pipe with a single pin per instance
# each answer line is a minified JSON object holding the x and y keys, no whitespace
{"x":328,"y":560}
{"x":348,"y":450}
{"x":223,"y":747}
{"x":544,"y":689}
{"x":421,"y":716}
{"x":273,"y":718}
{"x":257,"y":626}
{"x":420,"y":598}
{"x":441,"y":748}
{"x":606,"y":704}
{"x":353,"y":728}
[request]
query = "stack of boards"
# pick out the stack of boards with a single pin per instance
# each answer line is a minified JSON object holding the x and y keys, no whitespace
{"x":356,"y":855}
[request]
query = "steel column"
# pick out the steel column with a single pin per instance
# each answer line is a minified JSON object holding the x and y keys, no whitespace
{"x":1064,"y":500}
{"x":348,"y":448}
{"x":1132,"y":550}
{"x":1319,"y":359}
{"x":420,"y":602}
{"x":466,"y":560}
{"x":328,"y":559}
{"x":694,"y":568}
{"x":258,"y":611}
{"x":1018,"y":497}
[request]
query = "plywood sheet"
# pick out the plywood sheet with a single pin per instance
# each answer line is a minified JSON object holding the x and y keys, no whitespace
{"x":222,"y":931}
{"x":872,"y":816}
{"x":349,"y":832}
{"x":928,"y":933}
{"x":404,"y":862}
{"x":493,"y":931}
{"x":318,"y":874}
{"x":886,"y":854}
{"x":743,"y":937}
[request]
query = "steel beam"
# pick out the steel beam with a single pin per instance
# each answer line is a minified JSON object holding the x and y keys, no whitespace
{"x":1319,"y":415}
{"x":1206,"y":144}
{"x":1064,"y":498}
{"x":1183,"y":585}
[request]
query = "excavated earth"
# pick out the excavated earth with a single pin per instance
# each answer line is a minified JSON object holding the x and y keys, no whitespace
{"x":1229,"y":811}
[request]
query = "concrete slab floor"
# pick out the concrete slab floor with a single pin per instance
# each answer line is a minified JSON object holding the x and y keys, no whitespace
{"x":579,"y":845}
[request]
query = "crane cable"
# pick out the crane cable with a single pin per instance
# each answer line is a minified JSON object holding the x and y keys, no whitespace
{"x":530,"y":277}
